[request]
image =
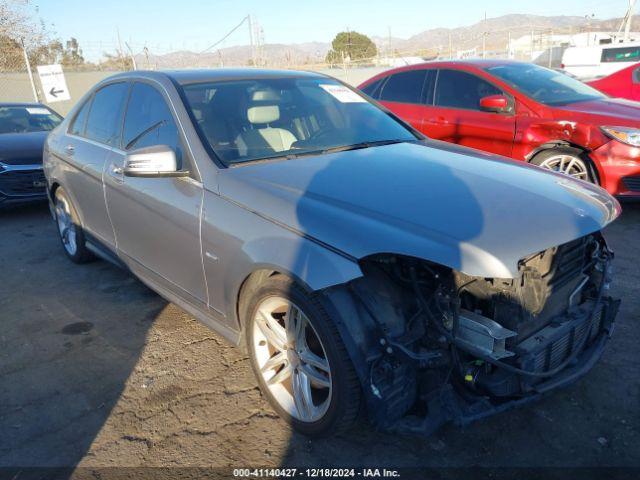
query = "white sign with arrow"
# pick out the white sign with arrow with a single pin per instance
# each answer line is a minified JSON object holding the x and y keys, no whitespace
{"x":53,"y":83}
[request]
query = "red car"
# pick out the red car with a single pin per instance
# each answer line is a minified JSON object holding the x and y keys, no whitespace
{"x":522,"y":111}
{"x":624,"y":83}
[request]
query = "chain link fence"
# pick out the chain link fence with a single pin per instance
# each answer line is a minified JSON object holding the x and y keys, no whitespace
{"x":17,"y":86}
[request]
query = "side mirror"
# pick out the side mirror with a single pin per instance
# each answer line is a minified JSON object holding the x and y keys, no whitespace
{"x":155,"y":161}
{"x":495,"y":103}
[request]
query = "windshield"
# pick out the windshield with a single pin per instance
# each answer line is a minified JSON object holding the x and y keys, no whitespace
{"x":256,"y":119}
{"x":544,"y":85}
{"x":24,"y":119}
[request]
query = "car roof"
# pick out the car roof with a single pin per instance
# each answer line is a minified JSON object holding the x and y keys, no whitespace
{"x":23,"y":104}
{"x":475,"y":62}
{"x":184,"y":77}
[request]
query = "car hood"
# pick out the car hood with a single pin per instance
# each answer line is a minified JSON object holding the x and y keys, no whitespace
{"x":473,"y":212}
{"x":615,"y":111}
{"x":22,"y":148}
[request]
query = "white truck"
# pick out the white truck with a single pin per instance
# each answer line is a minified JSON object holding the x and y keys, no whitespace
{"x":600,"y":60}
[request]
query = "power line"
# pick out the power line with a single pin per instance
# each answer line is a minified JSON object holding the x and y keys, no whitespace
{"x":227,"y":35}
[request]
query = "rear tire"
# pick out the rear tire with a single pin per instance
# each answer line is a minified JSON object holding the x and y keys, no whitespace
{"x":569,"y":161}
{"x":69,"y":229}
{"x":299,"y":358}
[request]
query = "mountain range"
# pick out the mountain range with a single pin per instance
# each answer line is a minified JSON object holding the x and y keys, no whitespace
{"x":429,"y":43}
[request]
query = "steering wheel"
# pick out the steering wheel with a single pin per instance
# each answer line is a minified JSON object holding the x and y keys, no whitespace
{"x":319,"y":134}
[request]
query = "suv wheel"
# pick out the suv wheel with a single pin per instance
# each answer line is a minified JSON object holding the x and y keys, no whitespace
{"x":569,"y":161}
{"x":299,"y":359}
{"x":69,"y":228}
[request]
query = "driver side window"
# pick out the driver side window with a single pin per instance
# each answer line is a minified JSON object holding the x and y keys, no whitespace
{"x":456,"y":89}
{"x":149,"y":122}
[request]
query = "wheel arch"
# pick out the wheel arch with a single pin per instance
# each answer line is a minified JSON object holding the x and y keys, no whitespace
{"x":567,"y":145}
{"x":357,"y":309}
{"x":52,"y":189}
{"x":337,"y":301}
{"x":554,"y":144}
{"x":312,"y":266}
{"x":51,"y":195}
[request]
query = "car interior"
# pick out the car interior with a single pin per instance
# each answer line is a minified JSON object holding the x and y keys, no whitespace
{"x":20,"y":120}
{"x":241,"y":120}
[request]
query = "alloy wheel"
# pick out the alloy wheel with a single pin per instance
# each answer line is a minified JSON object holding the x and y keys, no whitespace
{"x":569,"y":165}
{"x":291,"y":359}
{"x":66,"y":227}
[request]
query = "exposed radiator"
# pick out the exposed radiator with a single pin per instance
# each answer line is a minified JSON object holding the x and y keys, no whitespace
{"x":552,"y":345}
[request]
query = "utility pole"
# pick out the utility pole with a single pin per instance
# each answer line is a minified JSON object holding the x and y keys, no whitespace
{"x":509,"y":44}
{"x":390,"y":53}
{"x":26,"y":61}
{"x":260,"y":45}
{"x":133,"y":58}
{"x":531,"y":45}
{"x":251,"y":40}
{"x":484,"y":37}
{"x":589,"y":17}
{"x":629,"y":17}
{"x":146,"y":56}
{"x":120,"y":51}
{"x":450,"y":47}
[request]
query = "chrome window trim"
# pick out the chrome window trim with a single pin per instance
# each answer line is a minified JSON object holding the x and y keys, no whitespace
{"x":96,"y":143}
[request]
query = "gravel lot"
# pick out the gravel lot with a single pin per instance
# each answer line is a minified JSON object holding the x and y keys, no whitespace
{"x":97,"y":370}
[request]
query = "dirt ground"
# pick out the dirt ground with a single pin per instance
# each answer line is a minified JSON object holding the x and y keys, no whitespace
{"x":97,"y":370}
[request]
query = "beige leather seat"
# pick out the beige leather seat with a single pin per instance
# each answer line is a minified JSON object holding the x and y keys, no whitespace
{"x":261,"y":139}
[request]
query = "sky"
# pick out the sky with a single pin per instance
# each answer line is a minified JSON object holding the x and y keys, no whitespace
{"x":169,"y":25}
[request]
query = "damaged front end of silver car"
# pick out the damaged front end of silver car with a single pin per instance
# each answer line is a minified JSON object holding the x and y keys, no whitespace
{"x":432,"y":345}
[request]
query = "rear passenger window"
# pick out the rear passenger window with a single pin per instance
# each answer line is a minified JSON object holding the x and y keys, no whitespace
{"x":105,"y":115}
{"x":149,"y":121}
{"x":404,"y":87}
{"x":456,"y":89}
{"x":373,"y":88}
{"x":77,"y":126}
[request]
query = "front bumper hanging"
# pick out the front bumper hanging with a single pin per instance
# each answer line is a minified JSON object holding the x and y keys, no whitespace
{"x":446,"y":405}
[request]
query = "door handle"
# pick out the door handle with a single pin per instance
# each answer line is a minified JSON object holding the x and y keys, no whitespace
{"x":70,"y":149}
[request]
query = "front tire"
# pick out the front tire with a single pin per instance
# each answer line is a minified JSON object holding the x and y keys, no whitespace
{"x":569,"y":161}
{"x":69,"y":229}
{"x":299,"y":358}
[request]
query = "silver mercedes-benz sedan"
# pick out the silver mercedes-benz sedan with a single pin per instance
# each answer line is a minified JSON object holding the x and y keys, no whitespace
{"x":365,"y":267}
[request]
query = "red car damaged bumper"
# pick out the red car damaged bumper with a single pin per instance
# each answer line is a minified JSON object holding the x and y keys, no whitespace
{"x":618,"y":168}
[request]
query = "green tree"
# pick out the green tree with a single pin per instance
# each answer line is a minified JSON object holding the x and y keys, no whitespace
{"x":18,"y":25}
{"x":116,"y":61}
{"x":72,"y":55}
{"x":351,"y":46}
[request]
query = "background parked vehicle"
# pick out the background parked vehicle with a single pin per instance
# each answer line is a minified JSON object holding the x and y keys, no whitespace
{"x":600,"y":60}
{"x":624,"y":83}
{"x":522,"y":111}
{"x":23,"y":130}
{"x":231,"y":193}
